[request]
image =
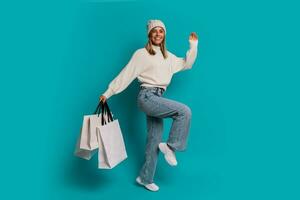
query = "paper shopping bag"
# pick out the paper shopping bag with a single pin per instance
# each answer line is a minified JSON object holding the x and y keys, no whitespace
{"x":87,"y":140}
{"x":83,"y":153}
{"x":111,"y":146}
{"x":88,"y":136}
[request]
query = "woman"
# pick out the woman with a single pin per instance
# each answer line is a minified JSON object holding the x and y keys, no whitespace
{"x":154,"y":67}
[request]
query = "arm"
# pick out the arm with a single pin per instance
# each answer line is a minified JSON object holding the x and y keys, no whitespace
{"x":179,"y":64}
{"x":126,"y":76}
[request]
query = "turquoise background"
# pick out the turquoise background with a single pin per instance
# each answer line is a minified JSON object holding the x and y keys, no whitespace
{"x":57,"y":57}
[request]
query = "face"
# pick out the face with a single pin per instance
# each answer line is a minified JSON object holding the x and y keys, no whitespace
{"x":157,"y":35}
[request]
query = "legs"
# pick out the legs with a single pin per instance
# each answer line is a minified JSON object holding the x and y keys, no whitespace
{"x":180,"y":128}
{"x":160,"y":107}
{"x":155,"y":130}
{"x":157,"y":108}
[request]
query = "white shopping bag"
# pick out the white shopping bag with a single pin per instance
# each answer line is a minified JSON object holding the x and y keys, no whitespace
{"x":111,"y":145}
{"x":83,"y":153}
{"x":88,"y":134}
{"x":103,"y":132}
{"x":87,"y":141}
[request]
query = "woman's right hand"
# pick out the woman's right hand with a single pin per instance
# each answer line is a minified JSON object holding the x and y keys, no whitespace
{"x":102,"y":98}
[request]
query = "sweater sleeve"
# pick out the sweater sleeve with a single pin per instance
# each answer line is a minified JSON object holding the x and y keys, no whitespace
{"x":126,"y":76}
{"x":179,"y":64}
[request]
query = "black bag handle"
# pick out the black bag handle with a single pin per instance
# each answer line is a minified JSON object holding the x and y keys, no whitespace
{"x":106,"y":111}
{"x":98,"y":109}
{"x":103,"y":113}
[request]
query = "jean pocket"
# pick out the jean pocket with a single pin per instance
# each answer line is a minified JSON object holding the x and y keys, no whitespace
{"x":144,"y":96}
{"x":149,"y":94}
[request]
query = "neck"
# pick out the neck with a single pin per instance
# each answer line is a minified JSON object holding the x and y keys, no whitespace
{"x":156,"y":47}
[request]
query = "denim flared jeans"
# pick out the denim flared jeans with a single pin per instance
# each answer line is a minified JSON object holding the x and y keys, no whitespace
{"x":156,"y":108}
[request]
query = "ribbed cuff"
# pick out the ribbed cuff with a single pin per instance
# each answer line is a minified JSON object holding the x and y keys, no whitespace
{"x":108,"y":93}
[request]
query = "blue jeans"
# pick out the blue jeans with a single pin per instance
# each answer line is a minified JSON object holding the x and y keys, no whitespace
{"x":156,"y":107}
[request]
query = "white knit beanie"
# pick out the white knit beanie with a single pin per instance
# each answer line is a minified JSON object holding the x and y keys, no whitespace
{"x":154,"y":23}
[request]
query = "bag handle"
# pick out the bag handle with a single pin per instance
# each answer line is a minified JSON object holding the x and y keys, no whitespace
{"x":98,"y":109}
{"x":106,"y":111}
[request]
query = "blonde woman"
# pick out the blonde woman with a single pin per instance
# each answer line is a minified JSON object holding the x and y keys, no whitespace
{"x":154,"y":67}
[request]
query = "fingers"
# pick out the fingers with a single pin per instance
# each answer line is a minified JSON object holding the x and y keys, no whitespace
{"x":102,"y":99}
{"x":193,"y":36}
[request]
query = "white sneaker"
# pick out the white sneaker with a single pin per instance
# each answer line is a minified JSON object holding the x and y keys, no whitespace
{"x":152,"y":186}
{"x":169,"y":154}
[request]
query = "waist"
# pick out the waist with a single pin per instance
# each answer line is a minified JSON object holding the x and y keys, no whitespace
{"x":156,"y":89}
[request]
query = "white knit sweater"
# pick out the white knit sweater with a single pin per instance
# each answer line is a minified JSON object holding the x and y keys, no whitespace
{"x":152,"y":70}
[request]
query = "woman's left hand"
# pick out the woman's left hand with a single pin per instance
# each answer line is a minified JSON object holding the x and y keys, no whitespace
{"x":193,"y":36}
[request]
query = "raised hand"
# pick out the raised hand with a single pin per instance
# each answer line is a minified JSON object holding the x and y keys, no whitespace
{"x":193,"y":36}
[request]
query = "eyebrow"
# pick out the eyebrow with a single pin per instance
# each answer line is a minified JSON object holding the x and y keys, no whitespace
{"x":157,"y":29}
